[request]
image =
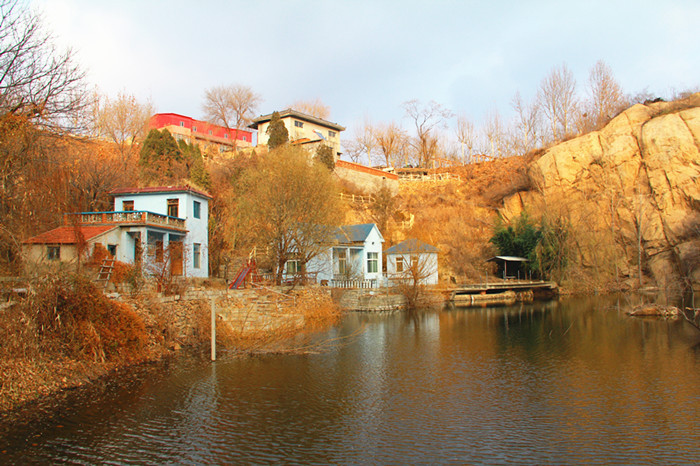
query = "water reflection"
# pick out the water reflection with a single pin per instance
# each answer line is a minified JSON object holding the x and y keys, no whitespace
{"x":575,"y":381}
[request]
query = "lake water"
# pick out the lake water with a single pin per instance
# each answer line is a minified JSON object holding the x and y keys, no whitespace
{"x":573,"y":382}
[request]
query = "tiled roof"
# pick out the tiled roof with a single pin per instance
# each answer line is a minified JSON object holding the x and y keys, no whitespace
{"x":67,"y":235}
{"x":354,"y":233}
{"x":159,"y":189}
{"x":411,"y":246}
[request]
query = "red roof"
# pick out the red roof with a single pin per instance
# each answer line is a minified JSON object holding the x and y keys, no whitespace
{"x":67,"y":235}
{"x":159,"y":189}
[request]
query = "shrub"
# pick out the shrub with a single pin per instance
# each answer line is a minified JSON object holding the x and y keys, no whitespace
{"x":71,"y":315}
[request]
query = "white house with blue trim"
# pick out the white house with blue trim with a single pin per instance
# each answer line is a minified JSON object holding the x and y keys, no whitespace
{"x":412,"y":259}
{"x":186,"y":242}
{"x":162,"y":228}
{"x":355,"y":254}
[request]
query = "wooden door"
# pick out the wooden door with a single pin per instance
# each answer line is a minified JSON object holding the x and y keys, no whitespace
{"x":176,"y":258}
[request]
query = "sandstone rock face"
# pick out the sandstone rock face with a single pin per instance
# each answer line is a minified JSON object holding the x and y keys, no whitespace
{"x":633,"y":183}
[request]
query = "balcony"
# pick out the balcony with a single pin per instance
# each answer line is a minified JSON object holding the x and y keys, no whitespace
{"x":127,"y":217}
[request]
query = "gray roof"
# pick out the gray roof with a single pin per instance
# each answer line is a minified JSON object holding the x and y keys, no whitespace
{"x":354,"y":233}
{"x":298,"y":115}
{"x":411,"y":246}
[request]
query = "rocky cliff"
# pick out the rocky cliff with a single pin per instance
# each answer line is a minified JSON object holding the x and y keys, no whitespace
{"x":630,"y":192}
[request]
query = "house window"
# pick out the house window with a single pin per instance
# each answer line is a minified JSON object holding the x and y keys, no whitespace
{"x":399,"y":264}
{"x":245,"y":138}
{"x":112,"y":250}
{"x":342,"y":262}
{"x":210,"y":133}
{"x":226,"y":136}
{"x":372,"y":262}
{"x":331,"y":134}
{"x":194,"y":128}
{"x":127,"y":205}
{"x":298,"y":124}
{"x":196,"y":254}
{"x":182,"y":123}
{"x":196,"y":209}
{"x":53,"y":253}
{"x":173,"y":205}
{"x":293,"y":267}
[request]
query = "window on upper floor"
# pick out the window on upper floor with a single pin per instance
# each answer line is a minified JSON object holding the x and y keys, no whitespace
{"x":298,"y":124}
{"x":182,"y":123}
{"x":173,"y":207}
{"x":210,"y":132}
{"x":127,"y":205}
{"x":196,"y":209}
{"x":245,"y":138}
{"x":194,"y":128}
{"x":226,"y":136}
{"x":399,"y":264}
{"x":331,"y":134}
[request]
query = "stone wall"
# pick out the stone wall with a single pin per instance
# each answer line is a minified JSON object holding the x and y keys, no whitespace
{"x":367,"y":179}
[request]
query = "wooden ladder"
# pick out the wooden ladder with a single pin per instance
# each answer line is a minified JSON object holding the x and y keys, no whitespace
{"x":105,"y":271}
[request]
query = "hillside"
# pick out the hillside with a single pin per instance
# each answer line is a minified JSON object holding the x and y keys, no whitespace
{"x":629,"y":194}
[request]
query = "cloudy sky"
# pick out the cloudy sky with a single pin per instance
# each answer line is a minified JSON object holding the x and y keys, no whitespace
{"x":365,"y":58}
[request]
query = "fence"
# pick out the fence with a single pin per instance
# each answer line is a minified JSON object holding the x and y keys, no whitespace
{"x":357,"y":198}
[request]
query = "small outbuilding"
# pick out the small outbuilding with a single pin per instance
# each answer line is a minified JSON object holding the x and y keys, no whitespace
{"x":510,"y":267}
{"x":412,"y":259}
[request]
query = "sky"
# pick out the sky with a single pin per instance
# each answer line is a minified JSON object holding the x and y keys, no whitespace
{"x":364,"y":59}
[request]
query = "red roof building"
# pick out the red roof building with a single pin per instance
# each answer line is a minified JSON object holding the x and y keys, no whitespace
{"x":201,"y":132}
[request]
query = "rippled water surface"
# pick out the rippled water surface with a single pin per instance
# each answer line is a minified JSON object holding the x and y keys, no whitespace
{"x":569,"y":382}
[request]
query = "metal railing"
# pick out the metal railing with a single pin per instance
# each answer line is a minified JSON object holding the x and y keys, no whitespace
{"x":124,"y":217}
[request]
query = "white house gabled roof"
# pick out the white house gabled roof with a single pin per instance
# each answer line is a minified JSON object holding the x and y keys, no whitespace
{"x":411,"y":246}
{"x":349,"y":234}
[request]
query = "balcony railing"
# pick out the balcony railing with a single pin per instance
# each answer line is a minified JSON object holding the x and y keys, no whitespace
{"x":129,"y":217}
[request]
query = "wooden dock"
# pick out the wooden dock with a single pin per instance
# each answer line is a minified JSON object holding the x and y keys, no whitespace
{"x":498,"y":287}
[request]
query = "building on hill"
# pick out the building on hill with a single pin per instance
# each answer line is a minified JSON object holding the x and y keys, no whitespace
{"x":161,"y":228}
{"x":303,"y":129}
{"x":412,"y":259}
{"x":207,"y":135}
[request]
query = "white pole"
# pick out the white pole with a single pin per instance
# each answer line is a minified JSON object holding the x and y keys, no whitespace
{"x":213,"y":330}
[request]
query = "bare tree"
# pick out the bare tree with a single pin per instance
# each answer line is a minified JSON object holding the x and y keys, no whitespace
{"x":557,"y":99}
{"x":392,"y":141}
{"x":426,"y":118}
{"x":232,"y":106}
{"x":36,"y":81}
{"x":122,"y":120}
{"x":606,"y":97}
{"x":364,"y":141}
{"x":467,"y":137}
{"x":313,"y":107}
{"x":291,"y":206}
{"x":494,"y":132}
{"x":527,"y":124}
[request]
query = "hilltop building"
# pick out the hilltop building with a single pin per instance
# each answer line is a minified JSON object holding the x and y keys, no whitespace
{"x":303,"y":129}
{"x":207,"y":135}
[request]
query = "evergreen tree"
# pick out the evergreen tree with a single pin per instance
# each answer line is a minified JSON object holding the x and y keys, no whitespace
{"x":192,"y":156}
{"x":161,"y":160}
{"x":277,"y":132}
{"x":324,"y":154}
